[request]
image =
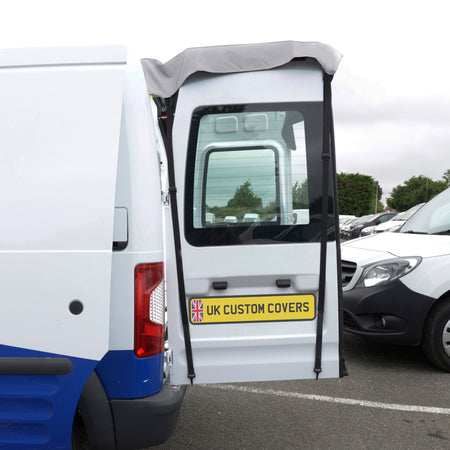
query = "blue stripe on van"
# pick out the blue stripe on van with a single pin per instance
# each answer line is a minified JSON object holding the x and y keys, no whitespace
{"x":37,"y":406}
{"x":125,"y":376}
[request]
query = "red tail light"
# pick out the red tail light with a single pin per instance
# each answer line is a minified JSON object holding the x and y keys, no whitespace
{"x":148,"y":309}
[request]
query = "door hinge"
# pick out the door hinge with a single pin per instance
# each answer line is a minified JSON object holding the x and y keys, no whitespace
{"x":168,"y":362}
{"x":165,"y":198}
{"x":168,"y":357}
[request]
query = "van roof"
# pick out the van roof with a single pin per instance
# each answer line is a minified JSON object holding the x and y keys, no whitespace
{"x":164,"y":80}
{"x":50,"y":56}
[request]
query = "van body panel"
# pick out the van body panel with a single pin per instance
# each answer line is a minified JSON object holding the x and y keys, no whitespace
{"x":37,"y":408}
{"x":59,"y":135}
{"x":61,"y":125}
{"x":139,"y":192}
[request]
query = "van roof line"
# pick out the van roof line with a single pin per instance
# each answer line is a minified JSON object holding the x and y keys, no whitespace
{"x":62,"y":56}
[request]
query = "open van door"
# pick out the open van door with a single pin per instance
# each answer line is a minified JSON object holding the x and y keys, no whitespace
{"x":248,"y":135}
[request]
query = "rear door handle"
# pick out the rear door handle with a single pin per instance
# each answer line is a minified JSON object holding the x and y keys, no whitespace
{"x":220,"y":285}
{"x":283,"y":283}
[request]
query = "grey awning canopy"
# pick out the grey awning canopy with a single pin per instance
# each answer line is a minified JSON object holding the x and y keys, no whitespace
{"x":164,"y":80}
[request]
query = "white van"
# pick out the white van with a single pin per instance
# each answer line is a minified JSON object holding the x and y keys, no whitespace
{"x":397,"y":285}
{"x":88,"y":245}
{"x":251,"y":217}
{"x":210,"y":217}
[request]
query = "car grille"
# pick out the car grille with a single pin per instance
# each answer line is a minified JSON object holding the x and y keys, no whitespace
{"x":348,"y":270}
{"x":350,"y":322}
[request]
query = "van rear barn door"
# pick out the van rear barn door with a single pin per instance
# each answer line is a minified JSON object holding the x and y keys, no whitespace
{"x":247,"y":158}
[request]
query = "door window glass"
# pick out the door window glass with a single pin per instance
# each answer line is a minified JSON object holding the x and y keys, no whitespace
{"x":241,"y":186}
{"x":253,"y":172}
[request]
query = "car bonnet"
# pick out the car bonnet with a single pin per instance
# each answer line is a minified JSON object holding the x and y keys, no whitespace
{"x":396,"y":244}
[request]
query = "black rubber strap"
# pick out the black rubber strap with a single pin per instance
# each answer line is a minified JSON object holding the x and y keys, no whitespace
{"x":342,"y":368}
{"x":166,"y":114}
{"x":324,"y":219}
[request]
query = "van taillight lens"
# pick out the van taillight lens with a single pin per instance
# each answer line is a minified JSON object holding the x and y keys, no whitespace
{"x":149,"y":309}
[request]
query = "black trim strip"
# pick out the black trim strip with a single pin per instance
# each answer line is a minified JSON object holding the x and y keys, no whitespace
{"x":35,"y":366}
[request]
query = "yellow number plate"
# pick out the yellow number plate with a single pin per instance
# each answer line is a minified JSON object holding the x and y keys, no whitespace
{"x":267,"y":308}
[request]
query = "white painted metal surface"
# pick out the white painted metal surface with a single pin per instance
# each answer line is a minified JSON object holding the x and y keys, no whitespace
{"x":249,"y":351}
{"x":59,"y":139}
{"x":138,"y":189}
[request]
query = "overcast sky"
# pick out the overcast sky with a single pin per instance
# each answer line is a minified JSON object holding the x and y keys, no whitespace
{"x":391,"y":92}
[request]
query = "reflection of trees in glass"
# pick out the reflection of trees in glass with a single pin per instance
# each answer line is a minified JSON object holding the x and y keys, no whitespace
{"x":270,"y":209}
{"x":300,"y":197}
{"x":244,"y":196}
{"x":243,"y":201}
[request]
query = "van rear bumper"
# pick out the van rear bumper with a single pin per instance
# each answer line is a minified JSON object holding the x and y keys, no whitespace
{"x":141,"y":422}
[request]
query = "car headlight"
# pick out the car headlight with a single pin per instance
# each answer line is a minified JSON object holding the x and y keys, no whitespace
{"x":387,"y":270}
{"x":368,"y":230}
{"x":395,"y":228}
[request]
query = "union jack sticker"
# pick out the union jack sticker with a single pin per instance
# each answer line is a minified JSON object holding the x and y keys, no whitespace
{"x":197,"y":311}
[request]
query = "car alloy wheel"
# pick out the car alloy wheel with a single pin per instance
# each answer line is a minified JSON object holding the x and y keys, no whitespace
{"x":436,"y":336}
{"x":446,"y":338}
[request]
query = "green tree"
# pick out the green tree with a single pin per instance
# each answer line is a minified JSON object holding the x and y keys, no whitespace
{"x":244,"y":196}
{"x":358,"y":193}
{"x":446,"y":177}
{"x":413,"y":191}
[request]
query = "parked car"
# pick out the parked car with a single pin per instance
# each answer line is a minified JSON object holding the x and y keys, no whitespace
{"x":345,"y":218}
{"x":374,"y":219}
{"x":397,"y":285}
{"x":348,"y":227}
{"x":396,"y":222}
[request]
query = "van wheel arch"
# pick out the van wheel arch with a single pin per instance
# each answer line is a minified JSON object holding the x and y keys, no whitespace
{"x":95,"y":415}
{"x":436,"y":327}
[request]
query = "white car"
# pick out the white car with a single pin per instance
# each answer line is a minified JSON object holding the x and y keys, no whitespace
{"x":343,"y":219}
{"x":397,"y":285}
{"x":398,"y":221}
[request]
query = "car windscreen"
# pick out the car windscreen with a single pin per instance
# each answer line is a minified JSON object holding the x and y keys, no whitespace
{"x":433,"y":218}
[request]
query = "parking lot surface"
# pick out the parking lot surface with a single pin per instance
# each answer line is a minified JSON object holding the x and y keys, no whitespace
{"x":392,"y":398}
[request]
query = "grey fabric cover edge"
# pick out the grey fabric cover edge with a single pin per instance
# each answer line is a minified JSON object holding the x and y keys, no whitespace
{"x":164,"y":80}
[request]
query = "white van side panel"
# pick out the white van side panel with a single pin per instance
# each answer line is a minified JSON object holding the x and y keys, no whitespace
{"x":59,"y":133}
{"x":138,"y":190}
